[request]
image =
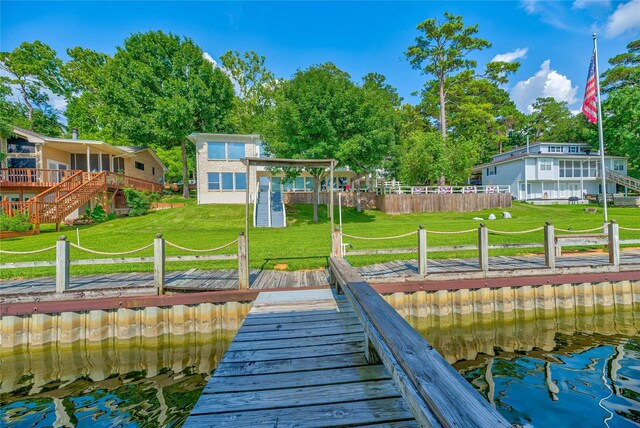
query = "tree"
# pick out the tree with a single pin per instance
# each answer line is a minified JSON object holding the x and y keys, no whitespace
{"x":442,"y":51}
{"x":322,"y":114}
{"x":159,"y":88}
{"x":621,"y":108}
{"x":255,"y":90}
{"x":85,"y":73}
{"x":548,"y":117}
{"x":33,"y":68}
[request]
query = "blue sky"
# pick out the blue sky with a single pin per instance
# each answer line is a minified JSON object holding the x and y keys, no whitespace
{"x":551,"y":38}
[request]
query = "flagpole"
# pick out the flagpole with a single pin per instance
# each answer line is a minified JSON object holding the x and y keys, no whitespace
{"x":602,"y":168}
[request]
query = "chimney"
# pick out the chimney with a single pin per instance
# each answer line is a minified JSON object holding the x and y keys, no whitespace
{"x":74,"y":134}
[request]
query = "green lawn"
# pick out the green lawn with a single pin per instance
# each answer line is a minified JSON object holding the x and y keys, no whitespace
{"x":302,"y":245}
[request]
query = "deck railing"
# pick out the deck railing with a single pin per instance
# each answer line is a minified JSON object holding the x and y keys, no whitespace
{"x":121,"y":180}
{"x":32,"y":177}
{"x":434,"y":391}
{"x":399,"y":189}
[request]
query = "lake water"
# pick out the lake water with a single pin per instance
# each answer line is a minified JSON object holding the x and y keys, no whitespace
{"x":563,"y":366}
{"x":548,"y":368}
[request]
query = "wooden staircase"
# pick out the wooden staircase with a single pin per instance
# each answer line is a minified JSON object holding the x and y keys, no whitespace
{"x":623,"y":180}
{"x":57,"y":202}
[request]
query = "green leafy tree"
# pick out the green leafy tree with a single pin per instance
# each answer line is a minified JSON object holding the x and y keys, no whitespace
{"x":158,"y":88}
{"x":322,"y":114}
{"x":442,"y":51}
{"x":84,"y":71}
{"x":33,"y":68}
{"x":256,"y":85}
{"x":547,"y":118}
{"x":621,"y":108}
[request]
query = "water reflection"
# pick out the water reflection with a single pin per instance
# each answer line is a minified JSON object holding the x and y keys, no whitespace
{"x":137,"y":382}
{"x":560,"y":367}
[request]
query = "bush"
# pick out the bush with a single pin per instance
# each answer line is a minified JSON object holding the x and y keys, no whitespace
{"x":18,"y":223}
{"x":138,"y":202}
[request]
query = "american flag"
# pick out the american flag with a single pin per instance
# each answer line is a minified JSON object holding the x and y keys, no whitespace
{"x":589,"y":104}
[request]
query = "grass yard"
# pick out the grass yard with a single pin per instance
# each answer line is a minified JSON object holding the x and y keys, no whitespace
{"x":303,"y":244}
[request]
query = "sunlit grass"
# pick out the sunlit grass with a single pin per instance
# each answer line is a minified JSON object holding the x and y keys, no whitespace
{"x":301,"y":245}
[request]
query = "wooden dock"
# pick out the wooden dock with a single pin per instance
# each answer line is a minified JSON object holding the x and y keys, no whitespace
{"x":298,"y":360}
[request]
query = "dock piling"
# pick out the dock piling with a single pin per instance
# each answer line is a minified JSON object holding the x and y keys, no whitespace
{"x":62,"y":264}
{"x":158,"y":263}
{"x":483,"y":247}
{"x":549,"y":246}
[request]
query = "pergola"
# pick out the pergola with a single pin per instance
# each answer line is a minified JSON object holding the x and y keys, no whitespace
{"x":283,"y":163}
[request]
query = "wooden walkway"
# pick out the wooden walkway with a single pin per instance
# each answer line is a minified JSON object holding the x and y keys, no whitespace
{"x":191,"y":280}
{"x":629,"y":260}
{"x":298,"y":360}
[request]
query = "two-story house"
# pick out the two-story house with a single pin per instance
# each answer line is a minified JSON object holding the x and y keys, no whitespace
{"x":552,"y":171}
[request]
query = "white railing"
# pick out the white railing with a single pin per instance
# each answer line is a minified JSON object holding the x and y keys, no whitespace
{"x":443,"y":190}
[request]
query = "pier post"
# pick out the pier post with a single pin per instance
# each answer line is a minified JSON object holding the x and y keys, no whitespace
{"x":336,"y":243}
{"x":158,"y":263}
{"x":62,"y":264}
{"x":243,"y":263}
{"x":549,"y":245}
{"x":614,"y":243}
{"x":483,"y":247}
{"x":422,"y":250}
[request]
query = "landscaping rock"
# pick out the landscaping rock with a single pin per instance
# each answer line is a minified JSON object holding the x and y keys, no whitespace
{"x":478,"y":218}
{"x":591,"y":210}
{"x":492,"y":216}
{"x":506,"y":214}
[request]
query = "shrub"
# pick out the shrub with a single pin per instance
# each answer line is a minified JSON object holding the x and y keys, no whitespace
{"x":138,"y":202}
{"x":98,"y":215}
{"x":18,"y":223}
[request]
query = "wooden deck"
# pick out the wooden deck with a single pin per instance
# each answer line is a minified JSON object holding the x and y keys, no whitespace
{"x":298,"y":360}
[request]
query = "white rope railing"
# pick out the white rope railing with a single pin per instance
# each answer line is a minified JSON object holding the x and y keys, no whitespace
{"x":208,"y":250}
{"x":103,"y":253}
{"x":364,"y":238}
{"x":600,"y":228}
{"x":630,"y":229}
{"x":519,"y":232}
{"x":29,"y":252}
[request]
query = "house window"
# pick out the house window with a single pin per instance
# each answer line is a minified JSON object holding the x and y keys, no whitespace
{"x":241,"y":180}
{"x":227,"y":181}
{"x":235,"y":151}
{"x":216,"y":151}
{"x":118,"y":165}
{"x":21,"y":162}
{"x":572,"y":149}
{"x":140,"y":166}
{"x":546,"y":165}
{"x":225,"y":151}
{"x":554,"y":149}
{"x":20,"y":145}
{"x":618,"y":165}
{"x":492,"y":171}
{"x":213,"y":180}
{"x":153,"y":170}
{"x":309,"y":184}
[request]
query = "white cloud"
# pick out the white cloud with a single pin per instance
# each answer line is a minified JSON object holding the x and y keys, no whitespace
{"x":625,"y":18}
{"x":511,"y":56}
{"x":531,"y":6}
{"x":583,"y":4}
{"x":545,"y":83}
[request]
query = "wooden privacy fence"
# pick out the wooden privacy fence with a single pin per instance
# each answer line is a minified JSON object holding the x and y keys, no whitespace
{"x":436,"y":393}
{"x":63,"y":260}
{"x":402,"y":203}
{"x":552,"y":243}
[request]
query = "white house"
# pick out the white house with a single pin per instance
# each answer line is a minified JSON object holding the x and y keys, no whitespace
{"x":551,"y":171}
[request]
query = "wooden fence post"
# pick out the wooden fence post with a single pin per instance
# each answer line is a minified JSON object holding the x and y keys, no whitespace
{"x":336,"y":243}
{"x":549,"y":245}
{"x":614,"y":243}
{"x":422,"y":250}
{"x":243,"y":263}
{"x":483,"y":247}
{"x":62,"y":264}
{"x":158,"y":263}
